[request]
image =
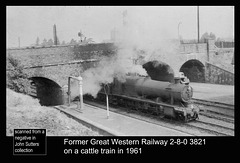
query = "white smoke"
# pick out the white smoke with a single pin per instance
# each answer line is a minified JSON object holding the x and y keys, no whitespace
{"x":146,"y":32}
{"x":139,"y":34}
{"x":108,"y":69}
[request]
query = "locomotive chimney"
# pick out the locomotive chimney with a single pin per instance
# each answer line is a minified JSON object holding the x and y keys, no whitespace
{"x":177,"y":80}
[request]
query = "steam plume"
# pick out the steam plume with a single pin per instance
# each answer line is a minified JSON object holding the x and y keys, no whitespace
{"x":140,"y":38}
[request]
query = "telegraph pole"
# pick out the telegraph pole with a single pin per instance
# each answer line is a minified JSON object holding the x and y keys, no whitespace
{"x":198,"y":23}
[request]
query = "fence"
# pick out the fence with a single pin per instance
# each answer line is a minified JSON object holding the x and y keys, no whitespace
{"x":224,"y":44}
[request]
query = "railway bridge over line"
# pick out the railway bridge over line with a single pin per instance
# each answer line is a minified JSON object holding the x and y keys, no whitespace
{"x":50,"y":67}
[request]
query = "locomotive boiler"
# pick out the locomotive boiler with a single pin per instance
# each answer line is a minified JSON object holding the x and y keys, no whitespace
{"x":159,"y":97}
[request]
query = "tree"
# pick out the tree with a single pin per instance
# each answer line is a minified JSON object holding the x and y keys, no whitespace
{"x":212,"y":36}
{"x":37,"y":41}
{"x":73,"y":42}
{"x":44,"y":43}
{"x":204,"y":36}
{"x":50,"y":42}
{"x":219,"y":39}
{"x":80,"y":34}
{"x":63,"y":43}
{"x":17,"y":80}
{"x":58,"y":42}
{"x":208,"y":36}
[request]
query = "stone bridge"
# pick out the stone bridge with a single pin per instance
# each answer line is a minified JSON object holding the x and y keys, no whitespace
{"x":50,"y":67}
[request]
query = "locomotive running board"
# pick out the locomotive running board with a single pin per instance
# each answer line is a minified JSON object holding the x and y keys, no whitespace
{"x":167,"y":112}
{"x":143,"y":100}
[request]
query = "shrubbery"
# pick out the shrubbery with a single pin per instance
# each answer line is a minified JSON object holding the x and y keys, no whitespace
{"x":17,"y":80}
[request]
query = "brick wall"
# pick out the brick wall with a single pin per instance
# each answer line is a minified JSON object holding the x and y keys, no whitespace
{"x":41,"y":56}
{"x":193,"y":48}
{"x":60,"y":74}
{"x":217,"y":75}
{"x":223,"y":58}
{"x":63,"y":54}
{"x":60,"y":54}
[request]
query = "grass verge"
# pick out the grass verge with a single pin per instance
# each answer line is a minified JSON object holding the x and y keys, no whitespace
{"x":25,"y":112}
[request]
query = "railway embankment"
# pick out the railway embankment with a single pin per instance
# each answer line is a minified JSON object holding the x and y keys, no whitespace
{"x":24,"y":111}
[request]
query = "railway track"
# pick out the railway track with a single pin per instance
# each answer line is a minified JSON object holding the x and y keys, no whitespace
{"x":215,"y":125}
{"x":220,"y":130}
{"x":213,"y":103}
{"x":205,"y":125}
{"x":221,"y":113}
{"x":219,"y":117}
{"x":217,"y":108}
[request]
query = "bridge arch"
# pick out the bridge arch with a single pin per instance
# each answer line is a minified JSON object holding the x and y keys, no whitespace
{"x":194,"y":70}
{"x":48,"y":92}
{"x":159,"y":70}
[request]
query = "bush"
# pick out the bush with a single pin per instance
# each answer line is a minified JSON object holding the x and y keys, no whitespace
{"x":17,"y":80}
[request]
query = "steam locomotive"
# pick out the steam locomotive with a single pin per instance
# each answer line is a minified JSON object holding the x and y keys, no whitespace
{"x":161,"y":98}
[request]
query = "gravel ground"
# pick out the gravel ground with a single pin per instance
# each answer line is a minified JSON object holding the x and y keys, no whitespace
{"x":224,"y":99}
{"x":26,"y":113}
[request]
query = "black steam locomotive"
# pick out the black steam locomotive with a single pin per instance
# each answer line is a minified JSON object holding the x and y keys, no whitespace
{"x":158,"y":97}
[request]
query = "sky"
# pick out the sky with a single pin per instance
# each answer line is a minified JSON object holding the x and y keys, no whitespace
{"x":96,"y":22}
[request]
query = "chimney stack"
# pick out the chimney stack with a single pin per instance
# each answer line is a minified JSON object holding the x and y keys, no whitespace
{"x":54,"y":35}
